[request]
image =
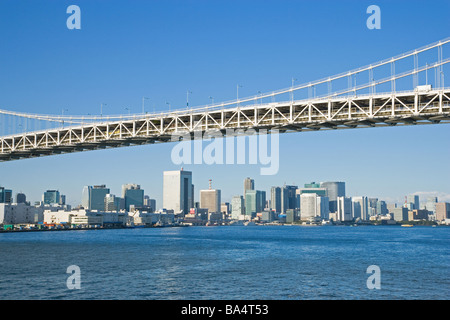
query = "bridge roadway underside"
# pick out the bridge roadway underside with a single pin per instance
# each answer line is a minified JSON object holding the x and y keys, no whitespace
{"x":383,"y":110}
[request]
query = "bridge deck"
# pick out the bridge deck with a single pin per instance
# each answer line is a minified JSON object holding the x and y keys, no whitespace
{"x":403,"y":108}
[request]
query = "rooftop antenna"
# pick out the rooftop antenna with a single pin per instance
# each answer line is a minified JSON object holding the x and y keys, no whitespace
{"x":210,"y":187}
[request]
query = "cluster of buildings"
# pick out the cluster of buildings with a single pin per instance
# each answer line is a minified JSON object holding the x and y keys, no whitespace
{"x":317,"y":203}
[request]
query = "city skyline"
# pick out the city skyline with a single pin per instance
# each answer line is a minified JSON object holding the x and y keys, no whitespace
{"x":173,"y":61}
{"x":418,"y":198}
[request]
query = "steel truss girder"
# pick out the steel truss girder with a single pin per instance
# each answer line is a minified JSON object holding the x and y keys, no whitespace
{"x":403,"y":108}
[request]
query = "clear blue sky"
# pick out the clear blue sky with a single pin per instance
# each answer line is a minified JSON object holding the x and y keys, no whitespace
{"x":160,"y":49}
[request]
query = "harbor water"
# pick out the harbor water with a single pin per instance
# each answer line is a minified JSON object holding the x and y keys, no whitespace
{"x":228,"y":262}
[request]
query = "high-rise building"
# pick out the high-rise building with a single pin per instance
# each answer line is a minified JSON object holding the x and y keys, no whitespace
{"x":431,"y":204}
{"x":313,"y":188}
{"x":178,"y":191}
{"x":254,"y":202}
{"x":312,"y":205}
{"x":399,"y":214}
{"x":249,"y":184}
{"x":417,"y":214}
{"x":413,"y":202}
{"x":225,"y":208}
{"x":360,"y":207}
{"x":382,"y":207}
{"x":150,"y":203}
{"x":237,"y":207}
{"x":288,"y":198}
{"x":308,"y":205}
{"x":344,"y":208}
{"x":110,"y":202}
{"x":275,"y":199}
{"x":93,"y":197}
{"x":335,"y":189}
{"x":51,"y":197}
{"x":21,"y":198}
{"x":323,"y":207}
{"x":5,"y":195}
{"x":210,"y":199}
{"x":133,"y":195}
{"x":442,"y":211}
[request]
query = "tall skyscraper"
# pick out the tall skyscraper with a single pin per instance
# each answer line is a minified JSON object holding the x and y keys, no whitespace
{"x":382,"y":207}
{"x":210,"y":199}
{"x":431,"y":204}
{"x":5,"y":195}
{"x":249,"y":184}
{"x":335,"y":189}
{"x":308,"y":205}
{"x":275,"y":199}
{"x":413,"y":202}
{"x":150,"y":203}
{"x":323,"y":207}
{"x":442,"y":211}
{"x":133,"y":195}
{"x":360,"y":207}
{"x":178,"y":191}
{"x":313,"y":188}
{"x":110,"y":202}
{"x":288,"y":198}
{"x":312,"y":205}
{"x":254,"y":202}
{"x":93,"y":197}
{"x":51,"y":197}
{"x":237,"y":207}
{"x":21,"y":198}
{"x":344,"y":209}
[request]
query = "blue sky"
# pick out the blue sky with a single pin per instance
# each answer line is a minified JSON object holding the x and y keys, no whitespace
{"x":160,"y":49}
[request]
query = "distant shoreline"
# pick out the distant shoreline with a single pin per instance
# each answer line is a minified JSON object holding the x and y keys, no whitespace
{"x":256,"y":225}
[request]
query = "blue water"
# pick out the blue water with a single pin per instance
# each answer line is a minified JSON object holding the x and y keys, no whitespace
{"x":253,"y":262}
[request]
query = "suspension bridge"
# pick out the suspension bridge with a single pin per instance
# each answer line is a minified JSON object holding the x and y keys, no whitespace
{"x":392,"y":92}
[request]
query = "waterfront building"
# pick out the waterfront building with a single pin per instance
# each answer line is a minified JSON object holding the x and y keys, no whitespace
{"x":150,"y":203}
{"x":133,"y":196}
{"x":323,"y":207}
{"x":275,"y":199}
{"x":399,"y":214}
{"x":312,"y":205}
{"x":111,"y":202}
{"x":344,"y":209}
{"x":431,"y":204}
{"x":254,"y":202}
{"x":373,"y":206}
{"x":382,"y":208}
{"x":210,"y":199}
{"x":85,"y":217}
{"x":21,"y":198}
{"x":313,"y":188}
{"x":288,"y":198}
{"x":93,"y":197}
{"x":442,"y":211}
{"x":413,"y":202}
{"x":418,"y":214}
{"x":225,"y":208}
{"x":334,"y":189}
{"x":237,"y":207}
{"x":360,"y":207}
{"x":178,"y":191}
{"x":51,"y":197}
{"x":308,"y":205}
{"x":5,"y":195}
{"x":20,"y":213}
{"x":249,"y":184}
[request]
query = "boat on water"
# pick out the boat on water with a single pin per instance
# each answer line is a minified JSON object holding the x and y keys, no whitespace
{"x":407,"y":225}
{"x":249,"y":223}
